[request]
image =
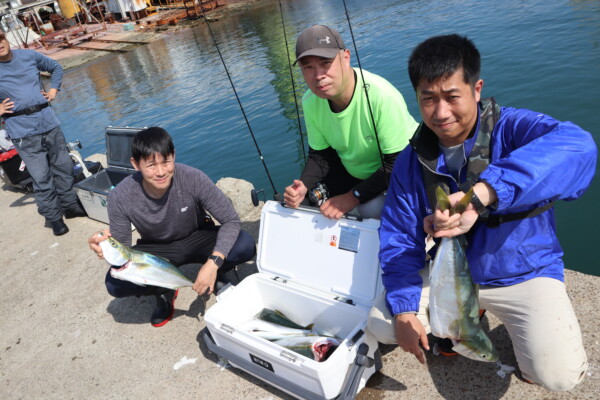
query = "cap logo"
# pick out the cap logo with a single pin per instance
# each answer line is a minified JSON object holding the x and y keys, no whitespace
{"x":326,"y":40}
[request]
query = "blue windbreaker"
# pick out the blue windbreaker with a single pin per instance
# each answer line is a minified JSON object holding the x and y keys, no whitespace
{"x":535,"y":159}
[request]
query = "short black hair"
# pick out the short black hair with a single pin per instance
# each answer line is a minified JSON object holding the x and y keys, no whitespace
{"x":150,"y":141}
{"x":441,"y":56}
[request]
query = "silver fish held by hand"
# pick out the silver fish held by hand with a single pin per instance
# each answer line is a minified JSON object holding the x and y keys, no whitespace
{"x":453,"y":297}
{"x":141,"y":268}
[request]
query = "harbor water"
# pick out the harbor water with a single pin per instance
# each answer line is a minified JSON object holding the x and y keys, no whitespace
{"x":536,"y":54}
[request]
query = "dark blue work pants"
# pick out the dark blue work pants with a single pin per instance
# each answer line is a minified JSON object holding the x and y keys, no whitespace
{"x":51,"y":169}
{"x":193,"y":249}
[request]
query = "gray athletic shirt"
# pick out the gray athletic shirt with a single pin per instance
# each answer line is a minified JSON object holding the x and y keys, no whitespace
{"x":174,"y":216}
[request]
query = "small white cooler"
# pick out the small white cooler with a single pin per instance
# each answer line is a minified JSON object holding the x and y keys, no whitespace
{"x":314,"y":270}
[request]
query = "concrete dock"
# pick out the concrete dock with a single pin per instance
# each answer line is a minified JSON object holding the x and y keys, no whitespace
{"x":64,"y":337}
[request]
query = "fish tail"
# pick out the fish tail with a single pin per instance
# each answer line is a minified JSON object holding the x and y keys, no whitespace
{"x":443,"y":203}
{"x":463,"y":203}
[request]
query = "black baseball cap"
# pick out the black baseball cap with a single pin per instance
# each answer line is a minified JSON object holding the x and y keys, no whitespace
{"x":320,"y":41}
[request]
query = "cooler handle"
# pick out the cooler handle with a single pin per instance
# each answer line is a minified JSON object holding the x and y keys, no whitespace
{"x":361,"y":362}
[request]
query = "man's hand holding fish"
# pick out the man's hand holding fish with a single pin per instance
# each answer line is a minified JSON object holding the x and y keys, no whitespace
{"x":95,"y":239}
{"x":446,"y":224}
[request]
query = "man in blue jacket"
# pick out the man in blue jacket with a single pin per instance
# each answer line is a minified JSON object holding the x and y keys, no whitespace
{"x":35,"y":131}
{"x":518,"y":162}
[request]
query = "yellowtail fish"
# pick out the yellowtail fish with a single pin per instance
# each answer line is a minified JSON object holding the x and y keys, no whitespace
{"x":453,"y":297}
{"x":319,"y":348}
{"x":270,"y":331}
{"x":279,"y":318}
{"x":141,"y":268}
{"x":273,"y":325}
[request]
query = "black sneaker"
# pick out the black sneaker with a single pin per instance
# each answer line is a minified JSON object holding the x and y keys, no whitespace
{"x":75,"y":212}
{"x":163,"y":312}
{"x":59,"y":227}
{"x":445,"y":347}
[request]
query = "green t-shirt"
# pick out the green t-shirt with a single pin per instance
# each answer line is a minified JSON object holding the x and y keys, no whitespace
{"x":350,"y":132}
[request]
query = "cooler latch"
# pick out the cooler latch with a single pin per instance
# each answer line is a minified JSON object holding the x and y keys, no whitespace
{"x":344,"y":300}
{"x":279,"y":279}
{"x":228,"y":329}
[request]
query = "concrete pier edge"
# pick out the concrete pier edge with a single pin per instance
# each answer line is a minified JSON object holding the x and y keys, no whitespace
{"x":63,"y":336}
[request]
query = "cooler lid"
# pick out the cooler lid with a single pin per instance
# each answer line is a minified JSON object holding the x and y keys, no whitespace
{"x":333,"y":256}
{"x":118,"y":146}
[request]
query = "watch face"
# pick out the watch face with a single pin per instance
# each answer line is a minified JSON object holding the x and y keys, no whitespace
{"x":356,"y":194}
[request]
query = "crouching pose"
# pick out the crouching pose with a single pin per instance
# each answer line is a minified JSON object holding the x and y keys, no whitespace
{"x":168,"y":203}
{"x":518,"y":162}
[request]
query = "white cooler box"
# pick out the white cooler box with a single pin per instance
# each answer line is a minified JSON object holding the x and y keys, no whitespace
{"x":314,"y":270}
{"x":93,"y":191}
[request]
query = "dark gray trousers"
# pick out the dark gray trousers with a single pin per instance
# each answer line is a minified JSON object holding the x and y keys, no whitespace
{"x":51,"y":170}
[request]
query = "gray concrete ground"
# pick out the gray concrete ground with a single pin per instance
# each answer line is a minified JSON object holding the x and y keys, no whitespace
{"x":64,"y":337}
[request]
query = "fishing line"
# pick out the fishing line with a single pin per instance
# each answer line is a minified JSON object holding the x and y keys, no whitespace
{"x":276,"y":195}
{"x":293,"y":84}
{"x":386,"y":177}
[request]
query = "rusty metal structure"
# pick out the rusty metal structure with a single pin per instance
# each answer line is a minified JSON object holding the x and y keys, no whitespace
{"x":72,"y":23}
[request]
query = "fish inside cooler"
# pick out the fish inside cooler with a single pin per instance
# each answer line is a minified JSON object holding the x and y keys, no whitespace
{"x":317,"y":272}
{"x":327,"y":316}
{"x":227,"y":319}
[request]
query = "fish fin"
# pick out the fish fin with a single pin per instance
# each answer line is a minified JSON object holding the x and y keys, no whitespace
{"x":463,"y":203}
{"x":443,"y":203}
{"x":309,"y":327}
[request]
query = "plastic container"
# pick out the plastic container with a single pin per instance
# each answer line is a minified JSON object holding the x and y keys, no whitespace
{"x":314,"y":270}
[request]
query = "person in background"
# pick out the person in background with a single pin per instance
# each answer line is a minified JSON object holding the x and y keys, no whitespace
{"x":167,"y":202}
{"x":351,"y":151}
{"x":518,"y":163}
{"x":33,"y":128}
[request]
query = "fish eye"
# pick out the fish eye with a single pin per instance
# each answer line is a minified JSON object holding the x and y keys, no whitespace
{"x":483,"y":356}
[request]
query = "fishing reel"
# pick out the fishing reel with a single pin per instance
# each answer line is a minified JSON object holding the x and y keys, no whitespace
{"x":254,"y":196}
{"x":318,"y":194}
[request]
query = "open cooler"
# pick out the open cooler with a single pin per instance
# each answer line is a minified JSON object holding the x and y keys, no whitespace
{"x":315,"y":271}
{"x":93,"y":191}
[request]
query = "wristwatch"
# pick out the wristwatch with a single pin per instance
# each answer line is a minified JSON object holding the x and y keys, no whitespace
{"x":356,"y":193}
{"x":479,"y":207}
{"x":217,"y":260}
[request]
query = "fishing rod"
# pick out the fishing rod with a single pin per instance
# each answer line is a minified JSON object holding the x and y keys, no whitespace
{"x":276,"y":195}
{"x":386,"y":177}
{"x":293,"y":83}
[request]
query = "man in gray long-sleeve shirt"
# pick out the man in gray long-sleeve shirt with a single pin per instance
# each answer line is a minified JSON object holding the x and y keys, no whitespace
{"x":168,"y":203}
{"x":35,"y":131}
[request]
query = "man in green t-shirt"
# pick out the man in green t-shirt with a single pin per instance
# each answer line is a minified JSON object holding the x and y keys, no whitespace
{"x":345,"y":149}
